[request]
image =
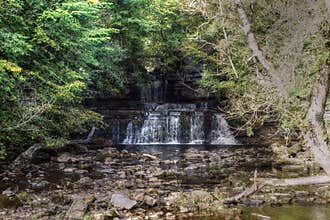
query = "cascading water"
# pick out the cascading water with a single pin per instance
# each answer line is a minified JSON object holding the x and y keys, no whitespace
{"x":179,"y":124}
{"x":220,"y":132}
{"x":197,"y":135}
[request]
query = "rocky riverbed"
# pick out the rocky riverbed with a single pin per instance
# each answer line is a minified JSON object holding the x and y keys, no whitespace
{"x":148,"y":182}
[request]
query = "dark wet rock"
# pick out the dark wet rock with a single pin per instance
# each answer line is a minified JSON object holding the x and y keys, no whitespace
{"x":79,"y":206}
{"x":74,"y":148}
{"x":122,"y":201}
{"x":43,"y":155}
{"x":9,"y":202}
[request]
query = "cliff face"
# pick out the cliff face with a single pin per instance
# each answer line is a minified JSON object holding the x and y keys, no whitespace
{"x":175,"y":100}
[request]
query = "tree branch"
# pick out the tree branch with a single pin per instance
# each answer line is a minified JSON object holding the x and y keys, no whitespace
{"x":276,"y":77}
{"x":277,"y":182}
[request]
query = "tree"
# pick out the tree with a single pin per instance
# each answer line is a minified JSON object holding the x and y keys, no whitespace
{"x":50,"y":52}
{"x":281,"y":57}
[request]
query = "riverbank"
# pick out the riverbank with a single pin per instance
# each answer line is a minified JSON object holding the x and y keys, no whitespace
{"x":149,"y":182}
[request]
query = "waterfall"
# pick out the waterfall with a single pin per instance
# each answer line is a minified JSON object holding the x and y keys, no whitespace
{"x":220,"y":132}
{"x":179,"y":124}
{"x":129,"y":134}
{"x":197,"y":128}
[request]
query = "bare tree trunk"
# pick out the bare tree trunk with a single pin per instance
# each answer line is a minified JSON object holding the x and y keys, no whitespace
{"x":276,"y":78}
{"x":316,"y":140}
{"x":316,"y":136}
{"x":327,"y":2}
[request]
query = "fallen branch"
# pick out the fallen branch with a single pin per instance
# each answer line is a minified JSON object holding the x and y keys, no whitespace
{"x":25,"y":157}
{"x":277,"y":182}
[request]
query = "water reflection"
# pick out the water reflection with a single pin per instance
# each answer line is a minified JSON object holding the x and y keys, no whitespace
{"x":286,"y":212}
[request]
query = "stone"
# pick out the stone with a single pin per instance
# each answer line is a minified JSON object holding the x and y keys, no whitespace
{"x":122,"y":174}
{"x":69,"y":170}
{"x":280,"y":150}
{"x":8,"y":192}
{"x":150,"y":201}
{"x":64,"y":158}
{"x":155,"y":215}
{"x":40,"y":185}
{"x":85,"y":181}
{"x":139,"y":197}
{"x":124,"y":151}
{"x":203,"y":196}
{"x":184,"y":209}
{"x":79,"y":206}
{"x":301,"y":193}
{"x":122,"y":201}
{"x":169,"y":216}
{"x":81,"y":172}
{"x":98,"y":216}
{"x":149,"y":156}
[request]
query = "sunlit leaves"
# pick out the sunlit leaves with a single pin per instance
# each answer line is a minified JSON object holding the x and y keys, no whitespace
{"x":50,"y":50}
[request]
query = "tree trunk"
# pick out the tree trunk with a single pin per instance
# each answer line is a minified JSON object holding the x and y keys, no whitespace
{"x":276,"y":78}
{"x":327,"y":2}
{"x":316,"y":136}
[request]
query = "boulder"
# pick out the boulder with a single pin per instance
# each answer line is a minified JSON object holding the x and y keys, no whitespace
{"x":122,"y":201}
{"x":150,"y":201}
{"x":202,"y":196}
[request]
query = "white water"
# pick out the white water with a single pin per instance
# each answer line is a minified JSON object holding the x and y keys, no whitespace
{"x":179,"y":124}
{"x":220,"y":133}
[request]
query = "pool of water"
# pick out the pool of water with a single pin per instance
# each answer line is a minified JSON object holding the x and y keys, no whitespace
{"x":288,"y":212}
{"x":285,"y":212}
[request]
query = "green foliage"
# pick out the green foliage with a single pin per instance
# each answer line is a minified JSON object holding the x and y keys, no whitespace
{"x":292,"y":35}
{"x":55,"y":53}
{"x":151,"y":31}
{"x":50,"y":53}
